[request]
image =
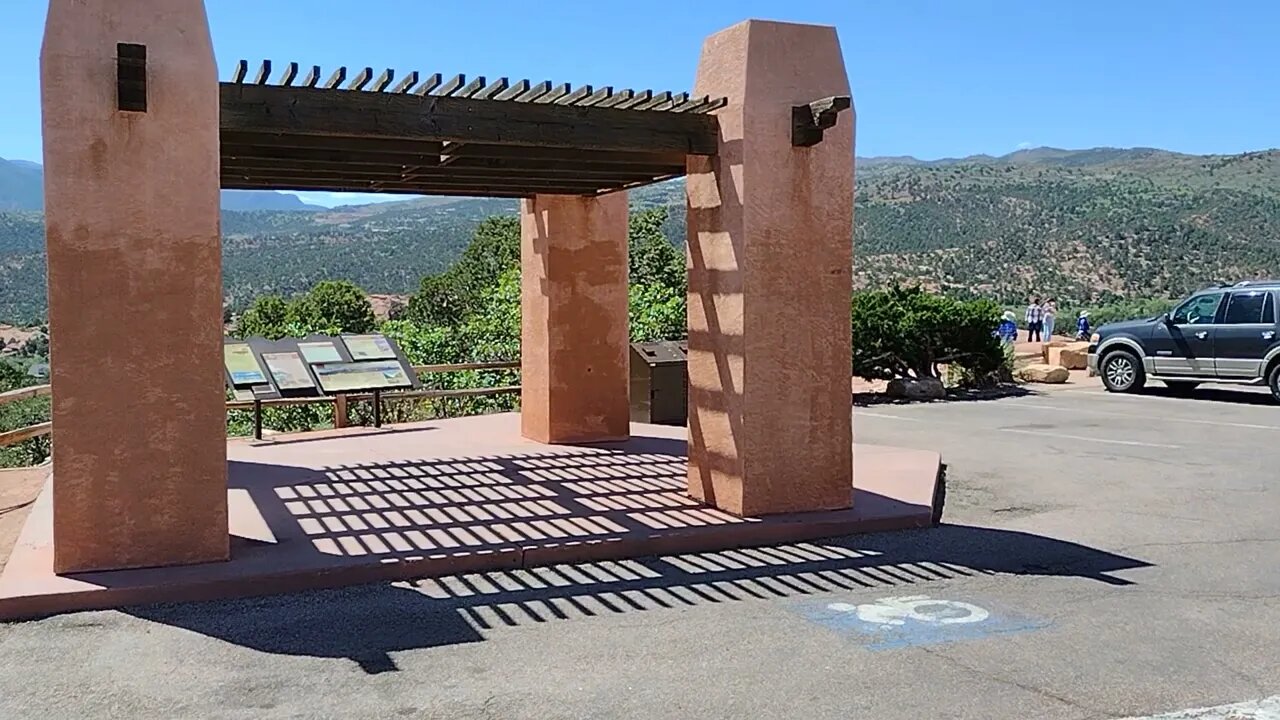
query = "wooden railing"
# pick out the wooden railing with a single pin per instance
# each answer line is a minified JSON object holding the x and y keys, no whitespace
{"x":340,"y":416}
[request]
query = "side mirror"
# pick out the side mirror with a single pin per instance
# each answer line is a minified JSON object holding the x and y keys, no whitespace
{"x":1166,"y":319}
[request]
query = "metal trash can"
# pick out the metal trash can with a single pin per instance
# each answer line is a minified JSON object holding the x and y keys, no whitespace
{"x":659,"y":383}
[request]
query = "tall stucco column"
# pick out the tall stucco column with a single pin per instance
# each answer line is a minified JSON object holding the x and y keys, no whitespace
{"x":135,"y":284}
{"x":770,"y":274}
{"x":573,"y":302}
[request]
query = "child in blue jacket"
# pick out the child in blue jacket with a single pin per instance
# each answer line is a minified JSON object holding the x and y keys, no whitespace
{"x":1082,"y":325}
{"x":1008,"y":329}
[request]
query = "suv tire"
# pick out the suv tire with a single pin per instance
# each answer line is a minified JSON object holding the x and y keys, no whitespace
{"x":1122,"y":372}
{"x":1274,"y":381}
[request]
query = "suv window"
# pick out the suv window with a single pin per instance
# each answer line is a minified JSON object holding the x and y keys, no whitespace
{"x":1199,"y":310}
{"x":1269,"y":310}
{"x":1247,"y":307}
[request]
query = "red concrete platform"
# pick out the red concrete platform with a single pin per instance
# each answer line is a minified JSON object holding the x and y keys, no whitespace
{"x":463,"y":495}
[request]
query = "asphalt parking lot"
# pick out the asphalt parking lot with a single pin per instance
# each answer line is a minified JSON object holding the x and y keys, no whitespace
{"x":1102,"y":557}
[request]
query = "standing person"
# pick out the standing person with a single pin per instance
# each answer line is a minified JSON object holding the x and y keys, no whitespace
{"x":1048,"y":314}
{"x":1035,"y":320}
{"x":1082,"y":325}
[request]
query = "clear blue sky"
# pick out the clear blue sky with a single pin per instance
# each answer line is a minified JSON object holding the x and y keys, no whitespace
{"x":930,"y":78}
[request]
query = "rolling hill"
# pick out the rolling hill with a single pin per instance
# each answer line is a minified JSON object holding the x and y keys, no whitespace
{"x":1083,"y":225}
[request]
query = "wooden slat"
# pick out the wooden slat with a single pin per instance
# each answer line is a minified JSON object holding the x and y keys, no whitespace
{"x":336,"y":78}
{"x":287,"y":111}
{"x":692,"y":104}
{"x":25,"y":393}
{"x":407,"y":83}
{"x":514,"y":91}
{"x":535,"y":92}
{"x":431,"y":83}
{"x":554,"y":94}
{"x":459,"y":172}
{"x":383,"y":80}
{"x":313,"y":77}
{"x":492,"y":89}
{"x":478,"y":182}
{"x":451,"y":85}
{"x":596,"y":97}
{"x":14,"y":437}
{"x":619,"y":97}
{"x":534,"y":155}
{"x":242,"y":69}
{"x":484,"y":190}
{"x":573,"y":97}
{"x":264,"y":73}
{"x":654,"y":101}
{"x":671,"y":102}
{"x":361,"y":79}
{"x":290,"y":72}
{"x":637,"y":99}
{"x":472,"y":87}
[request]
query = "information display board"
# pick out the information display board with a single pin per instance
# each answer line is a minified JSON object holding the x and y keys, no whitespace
{"x":369,"y":347}
{"x":320,"y":351}
{"x":288,"y":371}
{"x":367,"y":375}
{"x":242,"y":365}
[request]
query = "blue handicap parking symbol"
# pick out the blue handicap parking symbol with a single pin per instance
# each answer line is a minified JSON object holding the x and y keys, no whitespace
{"x":911,"y":620}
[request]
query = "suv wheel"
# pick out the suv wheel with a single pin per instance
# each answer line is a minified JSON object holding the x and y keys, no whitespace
{"x":1122,"y":372}
{"x":1274,"y":382}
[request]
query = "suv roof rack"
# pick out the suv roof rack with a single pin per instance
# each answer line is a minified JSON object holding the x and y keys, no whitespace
{"x":1250,"y":283}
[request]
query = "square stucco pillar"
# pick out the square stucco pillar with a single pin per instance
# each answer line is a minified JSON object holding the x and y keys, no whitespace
{"x":135,"y":287}
{"x":770,"y":275}
{"x":573,"y":304}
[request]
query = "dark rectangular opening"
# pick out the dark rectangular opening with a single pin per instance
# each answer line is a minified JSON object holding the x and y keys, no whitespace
{"x":131,"y":77}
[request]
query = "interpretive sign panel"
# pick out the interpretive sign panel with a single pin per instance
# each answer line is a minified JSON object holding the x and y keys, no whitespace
{"x":321,"y":351}
{"x":288,"y":370}
{"x":356,"y":376}
{"x":242,"y":365}
{"x":369,"y":347}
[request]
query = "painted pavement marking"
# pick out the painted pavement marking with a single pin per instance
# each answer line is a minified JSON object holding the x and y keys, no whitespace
{"x":912,"y":620}
{"x":1264,"y":709}
{"x":1163,"y":418}
{"x":1019,"y":431}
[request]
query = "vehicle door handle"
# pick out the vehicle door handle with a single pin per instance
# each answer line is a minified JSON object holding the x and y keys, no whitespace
{"x":1202,"y":334}
{"x":1268,"y":334}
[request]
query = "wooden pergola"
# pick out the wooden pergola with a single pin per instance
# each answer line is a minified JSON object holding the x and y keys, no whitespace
{"x":140,"y":134}
{"x":438,"y":135}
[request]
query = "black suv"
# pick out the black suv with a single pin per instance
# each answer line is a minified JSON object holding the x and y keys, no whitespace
{"x":1225,"y":334}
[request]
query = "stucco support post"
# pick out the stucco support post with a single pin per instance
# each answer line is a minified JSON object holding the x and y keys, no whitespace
{"x":770,"y":272}
{"x":130,"y":119}
{"x":574,"y":333}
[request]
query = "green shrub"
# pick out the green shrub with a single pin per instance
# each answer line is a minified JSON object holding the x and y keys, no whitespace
{"x":908,"y":333}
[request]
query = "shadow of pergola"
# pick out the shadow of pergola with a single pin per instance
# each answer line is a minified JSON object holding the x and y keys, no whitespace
{"x":366,"y":624}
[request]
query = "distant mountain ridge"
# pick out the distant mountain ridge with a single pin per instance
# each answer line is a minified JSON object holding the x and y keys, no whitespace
{"x":1082,"y":225}
{"x":22,"y":189}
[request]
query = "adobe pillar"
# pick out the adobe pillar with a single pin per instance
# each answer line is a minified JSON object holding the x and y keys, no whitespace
{"x":131,"y":173}
{"x":574,"y":334}
{"x":770,"y":274}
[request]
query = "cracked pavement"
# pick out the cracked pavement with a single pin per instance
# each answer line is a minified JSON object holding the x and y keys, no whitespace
{"x":1126,"y":548}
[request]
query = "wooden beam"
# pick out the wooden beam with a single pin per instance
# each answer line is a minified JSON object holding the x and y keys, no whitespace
{"x":444,"y":177}
{"x":472,"y":87}
{"x":553,"y":94}
{"x":303,"y":111}
{"x":634,"y":100}
{"x":383,"y":80}
{"x":25,"y":393}
{"x":654,"y":101}
{"x":451,"y":85}
{"x":274,"y":141}
{"x":313,"y":77}
{"x":242,"y":69}
{"x":583,"y":91}
{"x":431,"y":83}
{"x":398,"y":189}
{"x":492,"y":89}
{"x":488,"y":169}
{"x":406,"y":84}
{"x":514,"y":91}
{"x":336,"y":78}
{"x":535,"y":92}
{"x":361,"y":79}
{"x":14,"y":437}
{"x":290,"y":72}
{"x":596,"y":97}
{"x":264,"y":73}
{"x":619,"y":97}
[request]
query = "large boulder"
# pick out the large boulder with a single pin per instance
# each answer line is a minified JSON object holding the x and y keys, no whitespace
{"x":1072,"y":356}
{"x":1044,"y":373}
{"x":923,"y":389}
